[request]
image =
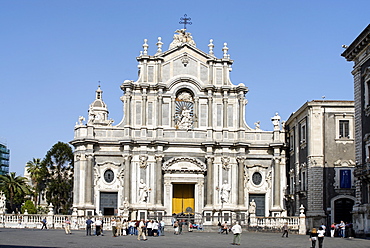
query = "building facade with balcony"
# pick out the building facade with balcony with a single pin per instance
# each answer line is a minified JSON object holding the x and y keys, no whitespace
{"x":4,"y":159}
{"x":359,"y":53}
{"x":321,"y":161}
{"x":183,"y":145}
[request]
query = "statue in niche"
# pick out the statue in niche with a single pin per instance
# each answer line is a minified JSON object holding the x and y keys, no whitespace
{"x":143,"y":192}
{"x":252,"y":207}
{"x":184,"y":111}
{"x":225,"y":192}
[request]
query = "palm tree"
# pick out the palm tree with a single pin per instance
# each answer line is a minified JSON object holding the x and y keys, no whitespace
{"x":37,"y":173}
{"x":13,"y":185}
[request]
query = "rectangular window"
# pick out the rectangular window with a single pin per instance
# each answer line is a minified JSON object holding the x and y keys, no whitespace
{"x":345,"y":179}
{"x":230,"y":115}
{"x":150,"y":113}
{"x":203,"y":115}
{"x":291,"y":140}
{"x":343,"y":128}
{"x":303,"y":133}
{"x":138,"y":113}
{"x":219,"y":115}
{"x":226,"y":217}
{"x":208,"y":216}
{"x":303,"y":182}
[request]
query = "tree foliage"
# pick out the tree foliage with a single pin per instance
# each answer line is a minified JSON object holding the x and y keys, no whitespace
{"x":15,"y":188}
{"x":38,"y":173}
{"x":59,"y":179}
{"x":31,"y":209}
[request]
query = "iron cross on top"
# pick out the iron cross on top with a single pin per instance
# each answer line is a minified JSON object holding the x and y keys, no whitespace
{"x":185,"y":20}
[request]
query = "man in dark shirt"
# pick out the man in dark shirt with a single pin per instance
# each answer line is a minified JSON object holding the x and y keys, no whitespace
{"x":88,"y":227}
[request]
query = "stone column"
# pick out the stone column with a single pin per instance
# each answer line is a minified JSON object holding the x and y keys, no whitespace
{"x":89,"y":179}
{"x":210,"y":179}
{"x":225,"y":103}
{"x":127,"y":181}
{"x":196,"y":112}
{"x":240,"y":189}
{"x":173,"y":109}
{"x":210,"y":109}
{"x":127,"y":104}
{"x":143,"y":114}
{"x":159,"y":108}
{"x":158,"y":179}
{"x":76,"y":180}
{"x":241,"y":109}
{"x":276,"y":195}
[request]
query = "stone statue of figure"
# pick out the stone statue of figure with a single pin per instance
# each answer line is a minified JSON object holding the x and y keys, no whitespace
{"x":125,"y":204}
{"x":252,"y":207}
{"x":225,"y":192}
{"x":186,"y":120}
{"x":143,"y":191}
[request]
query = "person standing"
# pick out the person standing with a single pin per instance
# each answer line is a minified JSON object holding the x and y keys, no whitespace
{"x":155,"y":228}
{"x":342,"y":227}
{"x":176,"y":228}
{"x":320,"y":236}
{"x":114,"y":227}
{"x":43,"y":222}
{"x":237,"y":230}
{"x":332,"y":230}
{"x":285,"y":230}
{"x":67,"y":226}
{"x":89,"y":222}
{"x":162,"y":227}
{"x":98,"y":224}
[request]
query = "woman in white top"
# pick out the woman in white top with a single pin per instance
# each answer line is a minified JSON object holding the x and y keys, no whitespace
{"x":320,"y":236}
{"x":155,"y":227}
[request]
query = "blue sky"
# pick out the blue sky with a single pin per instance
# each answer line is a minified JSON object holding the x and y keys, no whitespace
{"x":53,"y":53}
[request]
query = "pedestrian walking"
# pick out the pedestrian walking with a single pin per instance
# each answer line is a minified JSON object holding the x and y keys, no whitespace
{"x":332,"y":230}
{"x":320,"y":236}
{"x":285,"y":230}
{"x":67,"y":226}
{"x":43,"y":222}
{"x":89,"y":222}
{"x":313,"y":237}
{"x":224,"y":228}
{"x":176,"y":228}
{"x":141,"y":229}
{"x":237,"y":231}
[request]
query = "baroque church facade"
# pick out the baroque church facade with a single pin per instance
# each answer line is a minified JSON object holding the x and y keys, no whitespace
{"x":183,"y":145}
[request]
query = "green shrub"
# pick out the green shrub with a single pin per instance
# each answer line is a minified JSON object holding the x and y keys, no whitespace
{"x":29,"y":206}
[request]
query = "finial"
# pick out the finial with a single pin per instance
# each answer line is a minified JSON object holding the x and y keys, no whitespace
{"x":145,"y":47}
{"x":159,"y":45}
{"x":225,"y":49}
{"x":185,"y":20}
{"x":141,"y":53}
{"x":211,"y":46}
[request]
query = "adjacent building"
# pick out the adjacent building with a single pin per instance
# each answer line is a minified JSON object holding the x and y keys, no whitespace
{"x":4,"y":159}
{"x":183,"y":145}
{"x":359,"y":53}
{"x":321,"y":161}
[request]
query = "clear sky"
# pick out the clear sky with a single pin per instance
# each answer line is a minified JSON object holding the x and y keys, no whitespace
{"x":53,"y":53}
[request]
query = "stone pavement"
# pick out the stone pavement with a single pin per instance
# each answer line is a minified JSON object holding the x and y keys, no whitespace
{"x":15,"y":238}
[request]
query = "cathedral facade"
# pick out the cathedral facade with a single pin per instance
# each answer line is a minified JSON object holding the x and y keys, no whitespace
{"x":183,"y":145}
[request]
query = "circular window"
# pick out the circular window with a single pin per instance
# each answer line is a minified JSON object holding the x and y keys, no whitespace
{"x":109,"y":176}
{"x":257,"y":178}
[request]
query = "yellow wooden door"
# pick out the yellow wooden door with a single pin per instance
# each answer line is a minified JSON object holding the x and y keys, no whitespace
{"x":183,"y":197}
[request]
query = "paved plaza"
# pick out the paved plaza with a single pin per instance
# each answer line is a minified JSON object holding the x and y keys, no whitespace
{"x":57,"y":238}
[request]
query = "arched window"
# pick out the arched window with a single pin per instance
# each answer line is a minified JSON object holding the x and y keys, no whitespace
{"x":184,"y":113}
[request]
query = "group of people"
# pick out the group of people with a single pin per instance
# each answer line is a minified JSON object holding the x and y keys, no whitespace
{"x":235,"y":229}
{"x":123,"y":227}
{"x":343,"y":230}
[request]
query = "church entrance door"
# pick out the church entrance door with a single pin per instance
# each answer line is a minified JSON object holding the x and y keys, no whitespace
{"x":183,"y":198}
{"x":108,"y":202}
{"x":260,"y":203}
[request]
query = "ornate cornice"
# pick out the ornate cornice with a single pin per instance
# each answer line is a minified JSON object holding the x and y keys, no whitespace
{"x":197,"y":165}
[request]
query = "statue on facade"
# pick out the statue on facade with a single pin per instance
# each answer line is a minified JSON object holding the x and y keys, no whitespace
{"x":225,"y":192}
{"x":181,"y":37}
{"x":186,"y":120}
{"x":143,"y":191}
{"x":252,"y":207}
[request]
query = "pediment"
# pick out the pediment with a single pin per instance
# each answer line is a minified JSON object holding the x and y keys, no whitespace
{"x":184,"y":164}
